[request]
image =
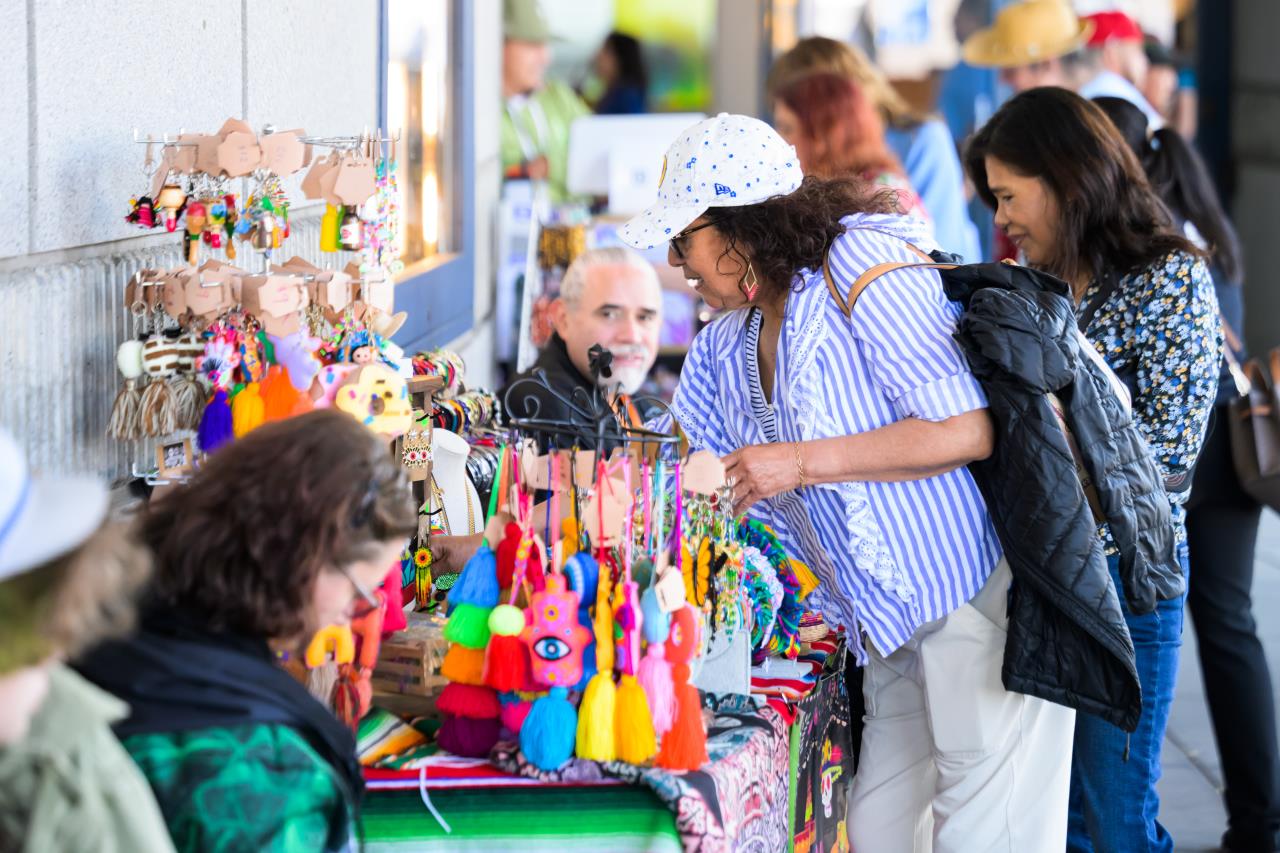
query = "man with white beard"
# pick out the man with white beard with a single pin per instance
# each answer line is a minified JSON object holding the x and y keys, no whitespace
{"x":609,"y":297}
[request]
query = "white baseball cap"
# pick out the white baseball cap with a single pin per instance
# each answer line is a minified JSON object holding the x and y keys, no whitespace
{"x":45,"y":517}
{"x":726,"y":161}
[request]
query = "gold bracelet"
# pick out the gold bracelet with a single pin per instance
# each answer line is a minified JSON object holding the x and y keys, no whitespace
{"x":799,"y":464}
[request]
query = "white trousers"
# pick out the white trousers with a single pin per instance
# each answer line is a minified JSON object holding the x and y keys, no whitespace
{"x":952,"y":762}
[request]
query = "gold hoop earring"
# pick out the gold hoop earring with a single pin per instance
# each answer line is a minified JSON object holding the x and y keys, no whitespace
{"x":749,"y":290}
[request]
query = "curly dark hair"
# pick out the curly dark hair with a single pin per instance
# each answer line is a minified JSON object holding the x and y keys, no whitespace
{"x":1111,"y":220}
{"x":239,"y":546}
{"x":788,"y":233}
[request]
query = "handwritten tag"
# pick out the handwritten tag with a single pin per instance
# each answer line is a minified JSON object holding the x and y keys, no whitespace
{"x":283,"y":151}
{"x":239,"y":154}
{"x":208,"y":293}
{"x":669,"y":586}
{"x":355,"y":182}
{"x":173,"y":296}
{"x":337,"y":291}
{"x":207,"y":155}
{"x":184,"y":158}
{"x":379,"y":293}
{"x":610,"y":498}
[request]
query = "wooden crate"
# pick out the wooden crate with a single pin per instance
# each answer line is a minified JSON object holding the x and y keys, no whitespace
{"x":407,"y":678}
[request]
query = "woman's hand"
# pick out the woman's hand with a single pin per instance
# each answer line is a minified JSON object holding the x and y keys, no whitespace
{"x":450,"y":553}
{"x":760,"y":471}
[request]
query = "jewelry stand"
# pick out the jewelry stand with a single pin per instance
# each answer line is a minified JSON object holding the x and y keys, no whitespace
{"x":461,"y":501}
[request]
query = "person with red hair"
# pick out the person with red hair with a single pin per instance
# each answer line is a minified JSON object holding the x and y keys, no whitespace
{"x":837,"y":132}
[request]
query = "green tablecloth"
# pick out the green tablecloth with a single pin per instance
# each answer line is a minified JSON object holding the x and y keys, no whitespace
{"x":616,"y":818}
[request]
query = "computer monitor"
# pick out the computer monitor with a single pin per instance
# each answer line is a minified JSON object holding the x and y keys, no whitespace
{"x":621,"y":156}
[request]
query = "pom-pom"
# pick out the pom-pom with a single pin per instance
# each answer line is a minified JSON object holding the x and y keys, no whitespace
{"x":466,"y":700}
{"x":468,"y":737}
{"x":655,"y":678}
{"x":595,"y":719}
{"x":506,"y":661}
{"x":548,"y":734}
{"x":514,"y":712}
{"x":125,"y":424}
{"x":633,"y":732}
{"x":463,"y":665}
{"x":684,"y":746}
{"x":215,"y":425}
{"x":506,"y":620}
{"x":468,"y":626}
{"x":247,"y":410}
{"x":505,"y":554}
{"x":583,"y":573}
{"x":478,"y":582}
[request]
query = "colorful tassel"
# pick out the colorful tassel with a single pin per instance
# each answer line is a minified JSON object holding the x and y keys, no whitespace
{"x":506,"y":660}
{"x":467,"y":700}
{"x":468,"y":737}
{"x":125,"y":424}
{"x":215,"y":425}
{"x":514,"y":712}
{"x":478,"y":582}
{"x":595,"y":739}
{"x":247,"y":410}
{"x":684,"y":746}
{"x":279,"y":397}
{"x":636,"y":740}
{"x":188,"y":400}
{"x":157,"y":415}
{"x":655,"y":678}
{"x":505,"y":554}
{"x":463,"y":665}
{"x":468,"y":626}
{"x":547,"y":736}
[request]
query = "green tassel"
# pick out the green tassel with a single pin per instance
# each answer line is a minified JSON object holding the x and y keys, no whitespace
{"x":468,"y":626}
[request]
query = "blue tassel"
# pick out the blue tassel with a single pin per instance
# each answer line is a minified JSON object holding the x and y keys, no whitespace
{"x":215,"y":424}
{"x":550,"y":731}
{"x":478,"y":583}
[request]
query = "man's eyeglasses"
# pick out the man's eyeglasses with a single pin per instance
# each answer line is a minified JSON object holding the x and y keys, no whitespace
{"x":369,"y":600}
{"x":677,"y":241}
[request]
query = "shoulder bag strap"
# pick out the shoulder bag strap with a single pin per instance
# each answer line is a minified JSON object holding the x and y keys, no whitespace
{"x":863,"y":281}
{"x":1238,"y":374}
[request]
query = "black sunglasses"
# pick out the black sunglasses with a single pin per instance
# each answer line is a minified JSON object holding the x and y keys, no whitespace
{"x":675,"y":241}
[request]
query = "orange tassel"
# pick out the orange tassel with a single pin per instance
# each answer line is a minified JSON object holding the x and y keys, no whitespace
{"x":684,"y":747}
{"x":463,"y":665}
{"x":279,"y":397}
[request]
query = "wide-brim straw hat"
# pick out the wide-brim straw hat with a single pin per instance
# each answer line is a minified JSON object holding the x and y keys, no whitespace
{"x":1027,"y":33}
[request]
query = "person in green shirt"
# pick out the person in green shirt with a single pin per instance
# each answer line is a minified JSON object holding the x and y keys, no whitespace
{"x":66,"y":580}
{"x":537,"y":113}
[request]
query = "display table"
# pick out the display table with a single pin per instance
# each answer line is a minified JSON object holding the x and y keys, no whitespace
{"x":737,"y":802}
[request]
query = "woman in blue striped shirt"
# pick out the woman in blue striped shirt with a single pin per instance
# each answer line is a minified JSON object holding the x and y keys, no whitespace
{"x":850,"y":438}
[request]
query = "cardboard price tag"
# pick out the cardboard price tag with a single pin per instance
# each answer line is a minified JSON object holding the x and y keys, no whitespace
{"x":311,"y":182}
{"x":184,"y":158}
{"x":173,"y":295}
{"x":669,"y":587}
{"x":283,"y":152}
{"x":355,"y":182}
{"x":378,"y":292}
{"x":208,"y":292}
{"x":239,"y":154}
{"x":703,"y":473}
{"x":611,"y":499}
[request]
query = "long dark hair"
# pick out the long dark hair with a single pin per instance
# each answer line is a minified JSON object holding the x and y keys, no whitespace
{"x":1178,"y":174}
{"x":787,"y":233}
{"x":631,"y":67}
{"x":1111,"y":221}
{"x":240,"y":545}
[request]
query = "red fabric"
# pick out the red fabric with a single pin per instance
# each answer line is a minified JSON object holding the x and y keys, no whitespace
{"x":1113,"y":26}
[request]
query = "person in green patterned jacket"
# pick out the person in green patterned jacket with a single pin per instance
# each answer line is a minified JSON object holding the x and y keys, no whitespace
{"x":279,"y":534}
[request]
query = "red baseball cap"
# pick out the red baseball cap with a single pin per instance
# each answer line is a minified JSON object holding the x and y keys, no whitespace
{"x":1113,"y":26}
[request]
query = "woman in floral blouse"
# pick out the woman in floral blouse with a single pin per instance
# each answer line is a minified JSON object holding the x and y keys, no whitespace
{"x":1075,"y":201}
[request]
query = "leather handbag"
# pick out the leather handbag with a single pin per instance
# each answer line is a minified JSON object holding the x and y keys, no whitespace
{"x":1254,"y":422}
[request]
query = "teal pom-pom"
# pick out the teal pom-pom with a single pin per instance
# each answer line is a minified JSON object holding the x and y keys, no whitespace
{"x":468,"y":626}
{"x":478,"y":583}
{"x":549,"y":732}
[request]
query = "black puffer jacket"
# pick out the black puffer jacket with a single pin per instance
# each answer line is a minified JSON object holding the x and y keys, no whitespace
{"x":1068,"y":641}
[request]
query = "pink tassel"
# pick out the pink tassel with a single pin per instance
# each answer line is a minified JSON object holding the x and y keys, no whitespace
{"x":655,"y":678}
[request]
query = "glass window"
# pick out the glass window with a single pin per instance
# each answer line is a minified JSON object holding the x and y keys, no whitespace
{"x":419,"y":105}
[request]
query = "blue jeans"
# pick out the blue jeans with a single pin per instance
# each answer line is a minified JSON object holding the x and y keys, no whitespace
{"x":1114,"y":803}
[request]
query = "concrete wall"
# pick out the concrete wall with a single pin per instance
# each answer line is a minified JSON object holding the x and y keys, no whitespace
{"x":76,"y":82}
{"x":1256,"y":146}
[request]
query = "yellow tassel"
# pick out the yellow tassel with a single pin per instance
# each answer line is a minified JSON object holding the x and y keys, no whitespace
{"x":634,"y":736}
{"x":604,"y":624}
{"x":568,"y":537}
{"x":595,"y":719}
{"x":247,"y":410}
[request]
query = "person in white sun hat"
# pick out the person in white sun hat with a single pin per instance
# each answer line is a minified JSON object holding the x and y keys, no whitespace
{"x":850,"y":437}
{"x":67,"y":579}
